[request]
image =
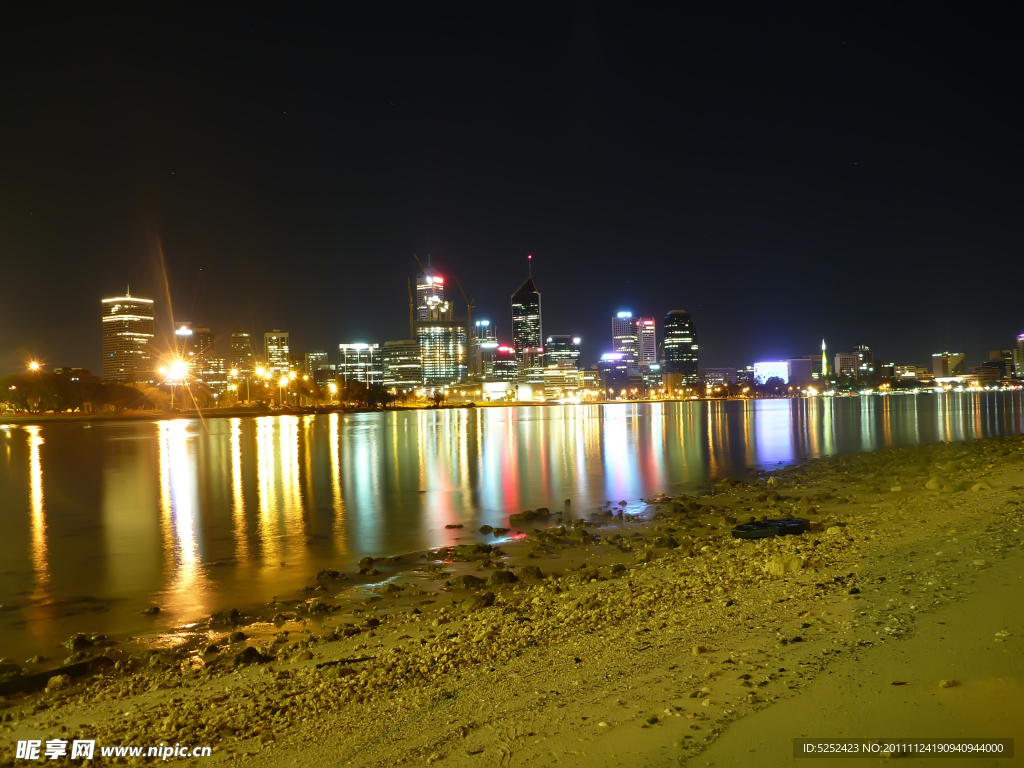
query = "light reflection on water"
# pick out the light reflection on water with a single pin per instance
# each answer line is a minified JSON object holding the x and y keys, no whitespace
{"x":195,"y":516}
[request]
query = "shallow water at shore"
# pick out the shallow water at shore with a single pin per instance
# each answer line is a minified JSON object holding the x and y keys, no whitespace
{"x":99,"y":523}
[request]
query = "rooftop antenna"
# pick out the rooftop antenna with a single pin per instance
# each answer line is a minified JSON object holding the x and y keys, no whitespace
{"x":529,"y":263}
{"x":128,"y":290}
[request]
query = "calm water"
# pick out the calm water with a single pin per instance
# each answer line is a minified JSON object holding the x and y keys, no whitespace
{"x":97,"y":523}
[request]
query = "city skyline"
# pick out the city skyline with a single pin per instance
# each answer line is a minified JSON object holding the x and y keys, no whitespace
{"x":704,"y":158}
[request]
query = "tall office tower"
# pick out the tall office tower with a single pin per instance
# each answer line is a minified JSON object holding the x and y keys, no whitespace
{"x":559,"y":349}
{"x":624,"y":337}
{"x":192,"y":341}
{"x":865,"y":362}
{"x":429,"y":291}
{"x":442,"y":340}
{"x":276,"y":351}
{"x":128,"y":339}
{"x":679,"y":342}
{"x":1018,"y":357}
{"x":241,"y":352}
{"x":316,"y":360}
{"x":360,"y":362}
{"x":646,"y":342}
{"x":403,"y":370}
{"x":485,"y":341}
{"x":527,"y":335}
{"x":947,"y":364}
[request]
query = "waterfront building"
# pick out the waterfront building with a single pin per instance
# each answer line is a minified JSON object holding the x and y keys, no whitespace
{"x":561,"y":380}
{"x":624,"y":341}
{"x":128,"y":339}
{"x":1018,"y":357}
{"x":620,"y":378}
{"x":276,"y":352}
{"x":325,"y":374}
{"x":527,"y":335}
{"x":212,"y":371}
{"x":558,"y":349}
{"x":241,"y":352}
{"x":679,"y":343}
{"x":947,"y":365}
{"x":719,"y":376}
{"x":429,"y":291}
{"x":192,"y":341}
{"x":403,"y":369}
{"x":646,"y":341}
{"x":801,"y":370}
{"x":360,"y":362}
{"x":846,"y":364}
{"x":443,"y":346}
{"x":502,"y":366}
{"x":485,"y":341}
{"x":745,"y":375}
{"x":315,"y":360}
{"x":652,"y":378}
{"x":865,"y":362}
{"x":772,"y":369}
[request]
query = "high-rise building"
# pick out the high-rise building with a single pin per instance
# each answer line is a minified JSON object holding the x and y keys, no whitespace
{"x":558,"y":349}
{"x":276,"y":351}
{"x":403,"y":369}
{"x":192,"y":342}
{"x":1018,"y":357}
{"x":360,"y":362}
{"x":429,"y":291}
{"x":241,"y":352}
{"x":128,"y":339}
{"x":485,"y":341}
{"x":443,"y":346}
{"x":503,"y":365}
{"x":646,"y":342}
{"x":561,"y":380}
{"x":624,"y":340}
{"x":679,"y":345}
{"x":527,"y":334}
{"x":316,"y":359}
{"x":846,"y":364}
{"x":865,"y":362}
{"x":947,"y":364}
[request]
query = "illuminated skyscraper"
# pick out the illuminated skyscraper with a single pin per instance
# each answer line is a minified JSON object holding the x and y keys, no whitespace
{"x":403,"y":369}
{"x":192,"y":341}
{"x":276,"y":351}
{"x":559,"y":349}
{"x":624,"y":340}
{"x":360,"y":362}
{"x":646,"y":342}
{"x":429,"y":291}
{"x":679,"y":342}
{"x":527,"y":335}
{"x":128,"y":339}
{"x":316,"y":360}
{"x":442,"y":341}
{"x":241,"y":352}
{"x":1018,"y":357}
{"x":485,"y":341}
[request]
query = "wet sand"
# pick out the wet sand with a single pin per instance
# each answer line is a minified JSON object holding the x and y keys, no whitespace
{"x":643,"y":643}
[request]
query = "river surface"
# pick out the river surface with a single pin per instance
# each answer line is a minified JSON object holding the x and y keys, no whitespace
{"x":98,"y":522}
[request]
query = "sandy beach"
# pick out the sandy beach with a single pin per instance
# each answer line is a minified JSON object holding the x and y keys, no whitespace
{"x":592,"y":639}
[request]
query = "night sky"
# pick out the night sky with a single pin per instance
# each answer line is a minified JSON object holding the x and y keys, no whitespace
{"x":782,"y":172}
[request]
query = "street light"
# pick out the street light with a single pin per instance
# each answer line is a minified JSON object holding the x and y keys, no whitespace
{"x":33,"y":365}
{"x":281,"y":384}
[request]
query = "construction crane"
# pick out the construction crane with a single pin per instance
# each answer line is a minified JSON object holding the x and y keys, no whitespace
{"x":470,"y":331}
